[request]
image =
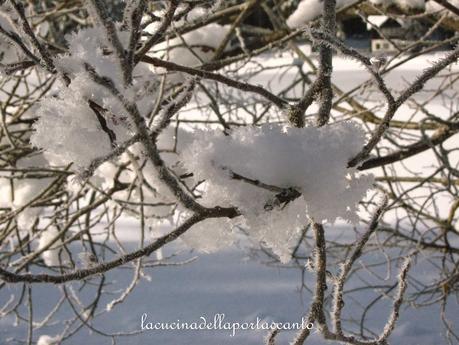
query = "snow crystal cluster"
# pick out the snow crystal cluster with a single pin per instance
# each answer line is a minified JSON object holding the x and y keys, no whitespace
{"x":311,"y":160}
{"x":67,"y":126}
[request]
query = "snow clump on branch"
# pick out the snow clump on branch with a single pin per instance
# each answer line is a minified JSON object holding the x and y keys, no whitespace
{"x":309,"y":10}
{"x":311,"y":160}
{"x":68,"y":127}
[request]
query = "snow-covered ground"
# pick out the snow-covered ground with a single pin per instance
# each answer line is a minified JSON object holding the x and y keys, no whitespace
{"x":225,"y":283}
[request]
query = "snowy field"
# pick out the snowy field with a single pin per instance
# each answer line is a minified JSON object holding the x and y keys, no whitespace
{"x":243,"y":288}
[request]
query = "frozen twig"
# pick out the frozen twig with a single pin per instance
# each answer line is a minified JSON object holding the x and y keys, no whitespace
{"x":326,"y":62}
{"x":346,"y":267}
{"x":170,"y":66}
{"x":395,"y":313}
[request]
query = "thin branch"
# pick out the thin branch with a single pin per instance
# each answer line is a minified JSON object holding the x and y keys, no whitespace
{"x":170,"y":66}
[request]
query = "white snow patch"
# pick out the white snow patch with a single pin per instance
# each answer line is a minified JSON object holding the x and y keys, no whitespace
{"x":210,"y":235}
{"x":308,"y":10}
{"x":47,"y":340}
{"x":55,"y":254}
